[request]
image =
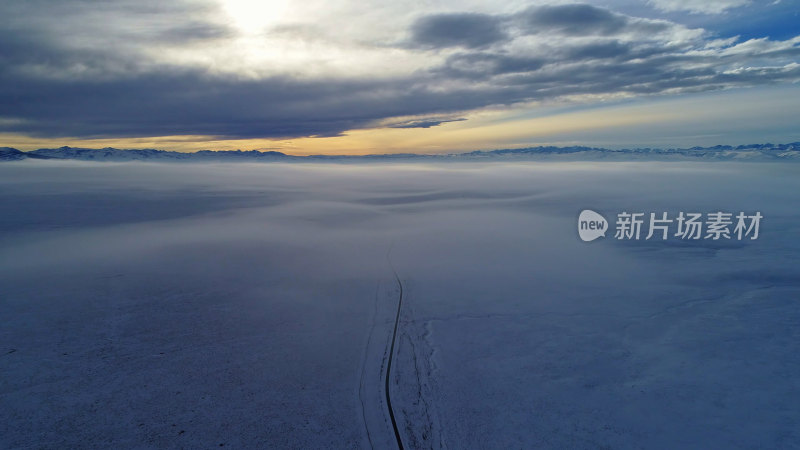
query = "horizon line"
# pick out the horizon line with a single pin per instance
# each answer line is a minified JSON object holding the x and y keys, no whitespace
{"x":464,"y":152}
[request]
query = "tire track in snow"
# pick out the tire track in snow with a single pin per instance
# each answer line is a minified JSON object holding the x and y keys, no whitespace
{"x":391,"y":353}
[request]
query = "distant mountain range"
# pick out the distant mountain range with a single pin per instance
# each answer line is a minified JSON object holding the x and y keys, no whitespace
{"x":751,"y":152}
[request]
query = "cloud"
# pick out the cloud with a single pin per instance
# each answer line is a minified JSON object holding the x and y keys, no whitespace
{"x":599,"y":50}
{"x":482,"y":65}
{"x":698,"y":6}
{"x":100,"y":70}
{"x":469,"y":30}
{"x":574,"y":19}
{"x":193,"y":103}
{"x":421,"y":123}
{"x":193,"y":32}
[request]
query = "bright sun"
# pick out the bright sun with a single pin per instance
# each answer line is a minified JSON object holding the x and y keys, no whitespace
{"x":252,"y":16}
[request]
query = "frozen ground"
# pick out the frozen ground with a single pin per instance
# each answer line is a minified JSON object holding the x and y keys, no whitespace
{"x":252,"y":306}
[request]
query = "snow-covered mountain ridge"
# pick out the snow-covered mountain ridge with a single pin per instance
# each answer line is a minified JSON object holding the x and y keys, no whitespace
{"x":750,"y":152}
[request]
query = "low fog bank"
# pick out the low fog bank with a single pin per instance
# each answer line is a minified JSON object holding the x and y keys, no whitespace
{"x":250,"y":305}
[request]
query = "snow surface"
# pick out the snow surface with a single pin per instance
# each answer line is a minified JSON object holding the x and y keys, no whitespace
{"x":251,"y":306}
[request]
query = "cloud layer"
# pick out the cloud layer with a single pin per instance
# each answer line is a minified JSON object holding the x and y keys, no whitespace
{"x":699,"y":6}
{"x":138,"y":69}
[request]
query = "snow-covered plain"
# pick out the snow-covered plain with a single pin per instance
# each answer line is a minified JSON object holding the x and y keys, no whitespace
{"x":252,"y":305}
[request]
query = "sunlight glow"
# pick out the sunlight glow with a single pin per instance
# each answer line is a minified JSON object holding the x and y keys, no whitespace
{"x":253,"y":16}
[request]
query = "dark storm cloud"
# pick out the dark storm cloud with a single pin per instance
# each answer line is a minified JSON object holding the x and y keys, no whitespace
{"x":482,"y":65}
{"x":473,"y":30}
{"x":457,"y":30}
{"x":195,"y":104}
{"x":599,"y":50}
{"x":576,"y":19}
{"x":191,"y":102}
{"x":50,"y":86}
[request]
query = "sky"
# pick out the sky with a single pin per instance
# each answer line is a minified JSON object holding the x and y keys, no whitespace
{"x":349,"y":77}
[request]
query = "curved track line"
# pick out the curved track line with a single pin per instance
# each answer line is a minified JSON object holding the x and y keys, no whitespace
{"x":391,"y":356}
